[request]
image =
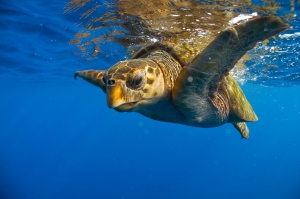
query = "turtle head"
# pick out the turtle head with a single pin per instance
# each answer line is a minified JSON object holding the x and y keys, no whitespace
{"x":129,"y":85}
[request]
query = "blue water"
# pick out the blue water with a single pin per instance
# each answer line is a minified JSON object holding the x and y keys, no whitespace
{"x":58,"y":139}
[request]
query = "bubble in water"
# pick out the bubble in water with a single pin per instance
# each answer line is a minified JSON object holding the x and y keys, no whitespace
{"x":190,"y":79}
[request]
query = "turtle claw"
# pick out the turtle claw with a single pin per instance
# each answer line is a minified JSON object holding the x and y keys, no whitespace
{"x":75,"y":75}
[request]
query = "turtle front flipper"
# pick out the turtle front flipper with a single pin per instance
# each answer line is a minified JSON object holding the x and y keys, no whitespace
{"x":220,"y":56}
{"x":94,"y":77}
{"x":195,"y":91}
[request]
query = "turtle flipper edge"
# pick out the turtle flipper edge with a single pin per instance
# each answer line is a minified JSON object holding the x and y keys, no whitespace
{"x":94,"y":77}
{"x":242,"y":128}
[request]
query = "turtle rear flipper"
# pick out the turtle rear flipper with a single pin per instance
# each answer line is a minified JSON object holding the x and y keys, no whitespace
{"x":240,"y":110}
{"x":242,"y":128}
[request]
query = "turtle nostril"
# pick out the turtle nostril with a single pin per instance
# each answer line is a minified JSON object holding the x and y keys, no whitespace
{"x":111,"y":82}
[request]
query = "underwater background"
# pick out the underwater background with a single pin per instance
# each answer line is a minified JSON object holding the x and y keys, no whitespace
{"x":58,"y":138}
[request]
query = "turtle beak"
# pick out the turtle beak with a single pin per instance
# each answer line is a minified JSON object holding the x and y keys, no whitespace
{"x":114,"y":95}
{"x":92,"y":76}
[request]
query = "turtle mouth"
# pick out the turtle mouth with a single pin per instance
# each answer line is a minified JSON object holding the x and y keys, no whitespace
{"x":132,"y":103}
{"x":130,"y":106}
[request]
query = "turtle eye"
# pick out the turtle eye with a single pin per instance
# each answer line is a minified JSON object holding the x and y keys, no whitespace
{"x":136,"y":80}
{"x":111,"y":82}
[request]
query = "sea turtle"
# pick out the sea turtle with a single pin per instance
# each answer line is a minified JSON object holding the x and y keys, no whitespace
{"x":156,"y":83}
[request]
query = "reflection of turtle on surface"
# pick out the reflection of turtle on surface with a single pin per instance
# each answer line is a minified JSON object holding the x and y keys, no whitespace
{"x":156,"y":83}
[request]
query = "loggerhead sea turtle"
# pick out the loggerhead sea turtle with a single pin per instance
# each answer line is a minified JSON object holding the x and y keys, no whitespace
{"x":157,"y":84}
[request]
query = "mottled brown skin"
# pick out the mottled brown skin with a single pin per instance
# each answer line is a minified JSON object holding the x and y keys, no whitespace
{"x":158,"y":85}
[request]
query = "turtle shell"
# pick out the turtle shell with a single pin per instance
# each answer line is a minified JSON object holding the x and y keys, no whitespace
{"x":240,"y":108}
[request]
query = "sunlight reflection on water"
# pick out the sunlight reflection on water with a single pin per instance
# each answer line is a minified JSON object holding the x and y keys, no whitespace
{"x":190,"y":26}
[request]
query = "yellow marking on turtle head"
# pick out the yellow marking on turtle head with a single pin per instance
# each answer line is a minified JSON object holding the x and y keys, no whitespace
{"x":114,"y":95}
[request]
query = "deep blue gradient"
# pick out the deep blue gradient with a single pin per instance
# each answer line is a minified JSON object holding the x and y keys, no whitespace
{"x":59,"y":140}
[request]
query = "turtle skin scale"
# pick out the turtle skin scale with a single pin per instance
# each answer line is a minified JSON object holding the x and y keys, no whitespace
{"x":156,"y":83}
